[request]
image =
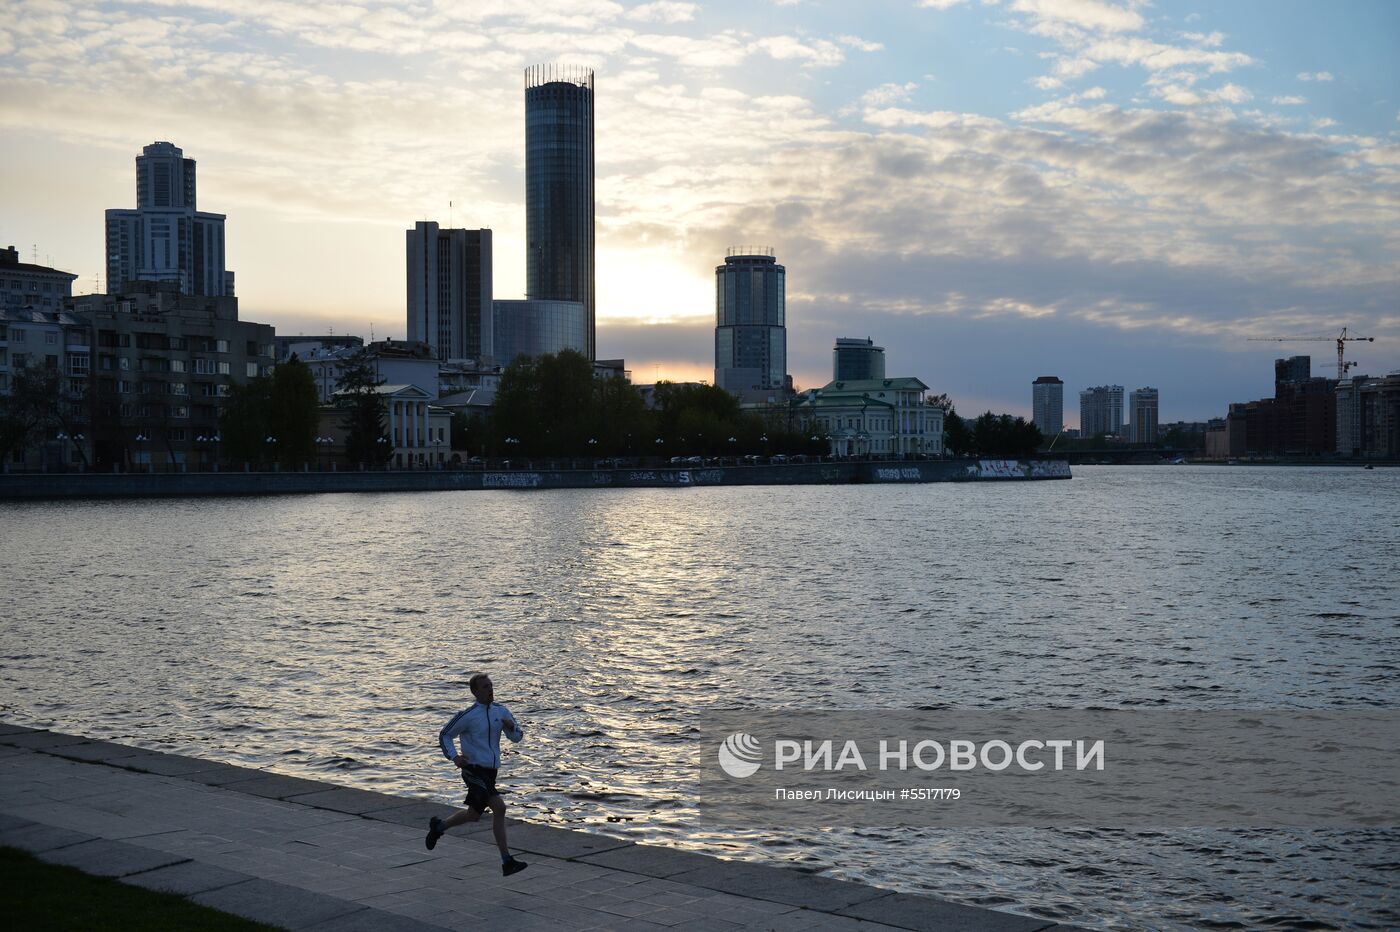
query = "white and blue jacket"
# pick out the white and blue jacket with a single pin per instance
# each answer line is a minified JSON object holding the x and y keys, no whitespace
{"x":479,"y":729}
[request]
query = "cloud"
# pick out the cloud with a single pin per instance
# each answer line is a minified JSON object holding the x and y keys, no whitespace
{"x":1213,"y":39}
{"x":940,"y":4}
{"x":663,"y":11}
{"x":1290,"y":101}
{"x":818,"y":52}
{"x":1315,"y":76}
{"x":856,"y":42}
{"x":887,"y":94}
{"x":1091,"y":15}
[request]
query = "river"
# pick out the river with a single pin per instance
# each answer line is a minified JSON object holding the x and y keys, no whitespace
{"x":330,"y":636}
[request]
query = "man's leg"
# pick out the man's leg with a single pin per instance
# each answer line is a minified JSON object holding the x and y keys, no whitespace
{"x":498,"y":823}
{"x":509,"y":865}
{"x":438,"y":827}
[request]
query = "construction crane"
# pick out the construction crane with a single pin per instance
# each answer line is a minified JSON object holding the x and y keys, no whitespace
{"x":1342,"y":340}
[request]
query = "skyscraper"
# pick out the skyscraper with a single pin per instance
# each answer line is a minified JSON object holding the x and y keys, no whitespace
{"x":165,"y":239}
{"x":1101,"y":411}
{"x":450,"y":290}
{"x":559,"y":188}
{"x":750,"y":322}
{"x":1048,"y":405}
{"x":854,"y":359}
{"x":1142,"y":416}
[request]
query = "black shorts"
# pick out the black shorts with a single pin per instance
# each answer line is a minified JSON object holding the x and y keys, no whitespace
{"x":481,"y":786}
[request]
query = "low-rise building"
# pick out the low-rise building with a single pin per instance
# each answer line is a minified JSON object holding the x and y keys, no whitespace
{"x":163,"y":365}
{"x":879,"y":417}
{"x":24,"y":284}
{"x":58,"y":343}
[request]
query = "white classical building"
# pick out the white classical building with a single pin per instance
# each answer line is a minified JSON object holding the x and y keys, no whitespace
{"x":879,"y":417}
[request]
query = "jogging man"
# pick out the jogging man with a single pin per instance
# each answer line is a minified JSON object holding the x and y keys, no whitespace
{"x":479,"y":729}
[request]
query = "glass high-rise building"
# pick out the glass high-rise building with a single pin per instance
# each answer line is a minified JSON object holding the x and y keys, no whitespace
{"x":450,"y":290}
{"x":1048,"y":405}
{"x":750,"y":321}
{"x":166,"y":239}
{"x":854,"y":359}
{"x":1101,"y":411}
{"x":559,"y":188}
{"x":1142,"y":416}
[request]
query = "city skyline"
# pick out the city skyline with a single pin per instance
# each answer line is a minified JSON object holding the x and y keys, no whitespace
{"x":1073,"y":187}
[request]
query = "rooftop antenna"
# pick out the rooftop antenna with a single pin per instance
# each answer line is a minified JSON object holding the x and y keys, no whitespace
{"x":449,"y":215}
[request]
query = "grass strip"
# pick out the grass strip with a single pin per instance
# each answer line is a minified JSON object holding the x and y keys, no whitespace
{"x":35,"y":895}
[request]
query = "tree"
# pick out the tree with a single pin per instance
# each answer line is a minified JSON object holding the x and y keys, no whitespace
{"x":956,"y":437}
{"x":1001,"y":435}
{"x":33,"y":409}
{"x":245,"y":421}
{"x":295,"y":412}
{"x":358,"y":395}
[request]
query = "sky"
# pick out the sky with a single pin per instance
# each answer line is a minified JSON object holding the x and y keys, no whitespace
{"x":1110,"y":191}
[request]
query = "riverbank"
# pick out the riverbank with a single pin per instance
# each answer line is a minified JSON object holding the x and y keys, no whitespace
{"x":301,"y":854}
{"x":842,"y":472}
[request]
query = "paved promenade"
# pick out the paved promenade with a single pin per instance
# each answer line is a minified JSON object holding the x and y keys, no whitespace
{"x":301,"y":854}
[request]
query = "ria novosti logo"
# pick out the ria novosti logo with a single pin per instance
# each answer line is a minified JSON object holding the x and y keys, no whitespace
{"x":740,"y":755}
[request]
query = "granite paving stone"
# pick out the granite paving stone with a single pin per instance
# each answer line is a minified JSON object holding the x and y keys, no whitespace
{"x":38,"y":740}
{"x":37,"y":839}
{"x":7,"y":729}
{"x":98,"y":752}
{"x":186,"y":878}
{"x":300,"y":854}
{"x":414,"y":813}
{"x":373,"y":920}
{"x":107,"y":858}
{"x":162,"y":763}
{"x":782,"y":886}
{"x":275,"y":786}
{"x":558,"y":842}
{"x":927,"y":914}
{"x":275,"y":903}
{"x":8,"y":822}
{"x":346,"y":800}
{"x":653,"y":860}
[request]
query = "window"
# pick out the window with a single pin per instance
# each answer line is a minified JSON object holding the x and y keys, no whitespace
{"x":17,"y":336}
{"x":51,"y":362}
{"x":124,"y":388}
{"x":221,"y":346}
{"x":179,"y":388}
{"x":123,"y":339}
{"x":125,"y":407}
{"x":177,"y":434}
{"x":78,"y":363}
{"x":178,"y":343}
{"x":177,"y":365}
{"x":180,"y":411}
{"x":223,"y":391}
{"x":125,"y":364}
{"x":203,"y":367}
{"x":251,"y":348}
{"x":50,"y":338}
{"x":252,"y":370}
{"x":223,"y":368}
{"x":206,"y":389}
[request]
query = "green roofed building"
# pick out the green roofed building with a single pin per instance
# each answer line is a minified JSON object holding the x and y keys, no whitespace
{"x":878,"y":417}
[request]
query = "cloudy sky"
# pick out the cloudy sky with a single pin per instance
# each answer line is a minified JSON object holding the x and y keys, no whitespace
{"x":1112,"y":192}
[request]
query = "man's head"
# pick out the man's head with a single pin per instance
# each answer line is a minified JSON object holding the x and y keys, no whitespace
{"x":480,"y":685}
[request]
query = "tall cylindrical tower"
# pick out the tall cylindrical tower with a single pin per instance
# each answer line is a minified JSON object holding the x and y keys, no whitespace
{"x":750,"y":321}
{"x":559,"y":187}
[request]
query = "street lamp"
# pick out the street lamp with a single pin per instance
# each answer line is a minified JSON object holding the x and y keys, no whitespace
{"x":271,"y":442}
{"x":323,"y":447}
{"x":140,"y":453}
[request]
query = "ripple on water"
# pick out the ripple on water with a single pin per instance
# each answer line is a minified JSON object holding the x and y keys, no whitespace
{"x":613,"y":621}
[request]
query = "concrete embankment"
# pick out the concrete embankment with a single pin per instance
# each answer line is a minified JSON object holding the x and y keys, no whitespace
{"x":141,"y":485}
{"x":301,"y":854}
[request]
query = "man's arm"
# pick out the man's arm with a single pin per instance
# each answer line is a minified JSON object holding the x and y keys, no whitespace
{"x":510,"y":727}
{"x":450,"y":731}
